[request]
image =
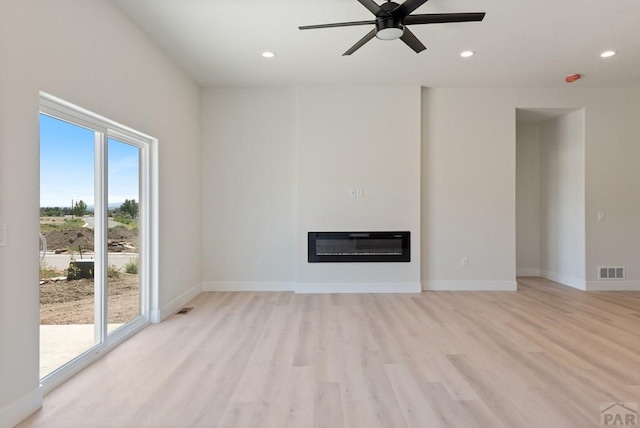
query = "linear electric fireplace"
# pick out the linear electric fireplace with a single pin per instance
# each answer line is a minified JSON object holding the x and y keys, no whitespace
{"x":331,"y":247}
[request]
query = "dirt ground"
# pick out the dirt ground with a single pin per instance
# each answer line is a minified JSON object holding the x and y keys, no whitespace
{"x":72,"y":302}
{"x":68,"y":240}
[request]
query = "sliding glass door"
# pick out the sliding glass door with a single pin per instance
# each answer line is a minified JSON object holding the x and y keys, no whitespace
{"x":94,"y":217}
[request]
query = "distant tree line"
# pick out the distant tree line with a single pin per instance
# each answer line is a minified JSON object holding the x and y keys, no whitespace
{"x":79,"y":209}
{"x":55,"y":211}
{"x":128,"y":209}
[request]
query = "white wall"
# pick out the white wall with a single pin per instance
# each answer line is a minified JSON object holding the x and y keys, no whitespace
{"x":468,"y":190}
{"x":348,"y":139}
{"x":528,"y":200}
{"x":562,"y":193}
{"x":278,"y":163}
{"x":611,"y":180}
{"x":248,"y":191}
{"x":90,"y":54}
{"x":19,"y":294}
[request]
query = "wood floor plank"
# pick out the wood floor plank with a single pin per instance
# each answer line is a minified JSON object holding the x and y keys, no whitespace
{"x":416,"y":411}
{"x":491,"y":390}
{"x":328,"y":406}
{"x":546,"y":355}
{"x":246,"y":415}
{"x":447,"y":410}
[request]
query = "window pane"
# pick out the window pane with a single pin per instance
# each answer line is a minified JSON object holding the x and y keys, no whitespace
{"x":123,"y":282}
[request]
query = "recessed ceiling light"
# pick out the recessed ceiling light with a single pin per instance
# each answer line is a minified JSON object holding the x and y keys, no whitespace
{"x":466,"y":54}
{"x":607,"y":54}
{"x":268,"y":54}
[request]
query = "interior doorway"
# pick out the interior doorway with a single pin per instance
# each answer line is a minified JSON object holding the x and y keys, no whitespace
{"x":550,"y":194}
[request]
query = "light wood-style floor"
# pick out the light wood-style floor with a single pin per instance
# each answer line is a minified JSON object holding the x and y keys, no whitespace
{"x":545,"y":356}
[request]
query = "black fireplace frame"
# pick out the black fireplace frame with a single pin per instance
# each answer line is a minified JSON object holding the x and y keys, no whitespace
{"x":314,"y":257}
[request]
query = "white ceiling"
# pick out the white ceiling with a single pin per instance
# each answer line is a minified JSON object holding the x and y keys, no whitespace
{"x":535,"y":116}
{"x":523,"y":43}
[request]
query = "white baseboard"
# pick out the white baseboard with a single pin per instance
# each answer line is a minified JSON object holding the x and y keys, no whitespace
{"x":247,"y":286}
{"x":162,"y":314}
{"x":571,"y":281}
{"x":527,"y":271}
{"x":358,"y":287}
{"x":613,"y":285}
{"x":350,"y":287}
{"x":18,"y":411}
{"x":470,"y":285}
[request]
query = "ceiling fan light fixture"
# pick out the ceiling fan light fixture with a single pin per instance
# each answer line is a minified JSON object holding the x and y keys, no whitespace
{"x":389,"y":33}
{"x":389,"y":29}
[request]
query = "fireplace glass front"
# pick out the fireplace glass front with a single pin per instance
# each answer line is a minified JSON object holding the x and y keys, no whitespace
{"x":358,"y":247}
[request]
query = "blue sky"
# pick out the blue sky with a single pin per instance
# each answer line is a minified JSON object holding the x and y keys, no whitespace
{"x":67,"y":165}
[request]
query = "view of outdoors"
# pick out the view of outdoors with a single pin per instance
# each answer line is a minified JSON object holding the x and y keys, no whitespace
{"x":68,"y":288}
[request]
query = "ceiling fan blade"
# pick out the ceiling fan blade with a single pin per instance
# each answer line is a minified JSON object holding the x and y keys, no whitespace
{"x":373,"y":7}
{"x":370,"y":35}
{"x":442,"y":18}
{"x":407,"y":7}
{"x":338,"y":24}
{"x":412,"y":41}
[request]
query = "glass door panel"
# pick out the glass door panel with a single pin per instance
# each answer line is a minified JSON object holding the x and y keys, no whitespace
{"x":123,"y":238}
{"x":67,"y":199}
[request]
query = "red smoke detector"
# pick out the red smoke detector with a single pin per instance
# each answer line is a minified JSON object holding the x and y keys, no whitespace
{"x":572,"y":78}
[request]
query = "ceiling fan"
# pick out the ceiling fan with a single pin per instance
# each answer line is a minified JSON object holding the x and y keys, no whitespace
{"x":392,"y":19}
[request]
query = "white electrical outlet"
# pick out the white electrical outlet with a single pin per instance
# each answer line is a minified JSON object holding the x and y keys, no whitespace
{"x":601,"y":215}
{"x":259,"y":263}
{"x":3,"y":235}
{"x":352,"y":193}
{"x":359,"y":193}
{"x":465,"y":262}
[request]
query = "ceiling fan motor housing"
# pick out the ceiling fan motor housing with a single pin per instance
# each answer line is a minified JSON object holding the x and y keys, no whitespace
{"x":387,"y":8}
{"x":389,"y":28}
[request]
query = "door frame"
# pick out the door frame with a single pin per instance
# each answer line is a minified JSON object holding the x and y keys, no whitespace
{"x":149,"y":254}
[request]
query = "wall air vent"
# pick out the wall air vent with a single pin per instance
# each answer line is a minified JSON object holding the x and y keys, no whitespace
{"x":184,"y":311}
{"x":611,"y":272}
